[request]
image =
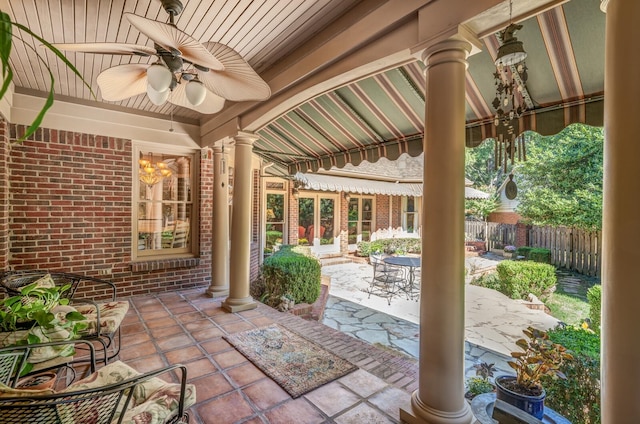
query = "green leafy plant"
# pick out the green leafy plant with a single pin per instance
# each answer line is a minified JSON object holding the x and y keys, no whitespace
{"x":390,"y":246}
{"x":480,"y":383}
{"x":539,"y":357}
{"x":44,"y":313}
{"x":293,"y":273}
{"x":578,"y":396}
{"x":519,"y":278}
{"x":594,"y":296}
{"x":7,"y":36}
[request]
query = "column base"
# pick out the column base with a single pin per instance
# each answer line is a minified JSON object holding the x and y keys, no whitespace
{"x":217,"y":291}
{"x":424,"y":414}
{"x":239,"y":305}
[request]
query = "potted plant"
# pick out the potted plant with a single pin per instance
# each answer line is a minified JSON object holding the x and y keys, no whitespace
{"x":480,"y":383}
{"x":509,"y":251}
{"x":540,"y":357}
{"x":40,"y":314}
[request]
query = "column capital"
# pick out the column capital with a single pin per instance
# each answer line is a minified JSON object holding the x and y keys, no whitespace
{"x":450,"y":50}
{"x":245,"y":138}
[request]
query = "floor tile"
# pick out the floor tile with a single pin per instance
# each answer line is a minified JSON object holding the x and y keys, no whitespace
{"x":200,"y":367}
{"x":211,"y":386}
{"x":174,"y":341}
{"x":295,"y":411}
{"x":207,"y":334}
{"x":363,"y":383}
{"x":265,"y":394}
{"x":183,"y":355}
{"x":134,"y":351}
{"x":228,"y":409}
{"x":161,"y":322}
{"x":363,"y":413}
{"x":163,"y":332}
{"x":332,"y":398}
{"x":390,"y":400}
{"x":244,"y":374}
{"x":229,"y":359}
{"x":215,"y":346}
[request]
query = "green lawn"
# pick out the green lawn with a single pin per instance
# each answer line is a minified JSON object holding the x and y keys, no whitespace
{"x":568,"y":308}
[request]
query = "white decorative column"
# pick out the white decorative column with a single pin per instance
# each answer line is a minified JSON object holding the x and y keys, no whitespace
{"x":440,"y":395}
{"x":621,"y":226}
{"x":239,"y":298}
{"x":220,"y":240}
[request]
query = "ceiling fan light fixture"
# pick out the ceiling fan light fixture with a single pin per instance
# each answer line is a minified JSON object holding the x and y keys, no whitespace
{"x":159,"y":77}
{"x":156,"y":97}
{"x":195,"y":92}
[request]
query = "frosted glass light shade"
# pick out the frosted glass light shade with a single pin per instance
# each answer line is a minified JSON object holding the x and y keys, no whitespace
{"x":196,"y":92}
{"x":159,"y":77}
{"x":156,"y":97}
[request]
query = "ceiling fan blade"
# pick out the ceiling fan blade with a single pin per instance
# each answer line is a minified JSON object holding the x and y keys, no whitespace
{"x":212,"y":103}
{"x":238,"y":81}
{"x":169,"y":37}
{"x":107,"y":48}
{"x":123,"y":81}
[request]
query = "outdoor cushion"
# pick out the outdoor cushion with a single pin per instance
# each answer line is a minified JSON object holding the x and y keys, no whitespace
{"x":153,"y":401}
{"x":111,"y":315}
{"x":6,"y":391}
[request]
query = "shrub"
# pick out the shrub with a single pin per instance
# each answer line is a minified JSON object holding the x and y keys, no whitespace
{"x":273,"y":237}
{"x":289,"y":272}
{"x":524,"y":251}
{"x":594,"y":296}
{"x":540,"y":255}
{"x":478,"y":385}
{"x":390,"y":246}
{"x":582,"y":385}
{"x":489,"y":280}
{"x":519,"y":278}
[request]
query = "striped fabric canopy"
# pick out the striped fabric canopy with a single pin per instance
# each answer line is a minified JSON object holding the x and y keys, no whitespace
{"x":383,"y":115}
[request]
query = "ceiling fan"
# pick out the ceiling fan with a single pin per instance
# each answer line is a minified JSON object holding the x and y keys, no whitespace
{"x":187,"y":73}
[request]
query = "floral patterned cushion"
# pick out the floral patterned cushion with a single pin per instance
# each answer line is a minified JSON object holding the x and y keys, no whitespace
{"x":111,"y":315}
{"x":153,"y":401}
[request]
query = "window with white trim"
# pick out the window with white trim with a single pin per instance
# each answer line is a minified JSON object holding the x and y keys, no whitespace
{"x":164,"y":203}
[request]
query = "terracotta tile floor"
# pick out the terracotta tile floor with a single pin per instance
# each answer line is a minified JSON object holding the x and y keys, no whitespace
{"x":187,"y":327}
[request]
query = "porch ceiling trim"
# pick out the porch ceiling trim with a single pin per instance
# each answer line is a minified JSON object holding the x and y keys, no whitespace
{"x":323,"y":182}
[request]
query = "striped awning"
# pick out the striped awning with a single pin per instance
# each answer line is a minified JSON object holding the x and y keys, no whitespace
{"x":324,"y":182}
{"x":383,"y":115}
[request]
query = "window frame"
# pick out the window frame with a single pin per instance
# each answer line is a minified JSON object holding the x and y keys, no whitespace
{"x":191,"y":251}
{"x":277,"y":191}
{"x":360,"y":220}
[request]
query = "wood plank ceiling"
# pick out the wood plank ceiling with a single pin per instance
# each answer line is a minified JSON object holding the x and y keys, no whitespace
{"x":379,"y":116}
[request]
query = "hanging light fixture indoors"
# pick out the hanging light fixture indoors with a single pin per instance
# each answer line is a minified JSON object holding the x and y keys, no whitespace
{"x":512,"y":98}
{"x":152,"y":173}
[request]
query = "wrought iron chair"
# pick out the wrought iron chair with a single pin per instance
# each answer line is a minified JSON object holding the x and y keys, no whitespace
{"x":104,"y":316}
{"x":13,"y":360}
{"x":387,"y":279}
{"x":114,"y":394}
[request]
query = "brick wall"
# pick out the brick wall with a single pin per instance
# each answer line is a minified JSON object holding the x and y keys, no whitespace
{"x":71,"y":211}
{"x":504,"y":217}
{"x":382,"y":212}
{"x":4,"y":195}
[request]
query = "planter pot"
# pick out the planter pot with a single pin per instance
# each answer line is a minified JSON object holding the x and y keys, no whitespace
{"x":41,"y":381}
{"x":533,"y":405}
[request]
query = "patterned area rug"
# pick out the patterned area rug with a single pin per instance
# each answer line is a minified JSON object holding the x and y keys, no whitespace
{"x":295,"y":363}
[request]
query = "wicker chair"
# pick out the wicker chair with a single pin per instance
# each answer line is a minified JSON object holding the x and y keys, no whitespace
{"x":104,"y":316}
{"x":114,"y":394}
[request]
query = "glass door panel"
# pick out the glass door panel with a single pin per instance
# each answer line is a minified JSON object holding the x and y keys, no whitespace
{"x":306,"y":213}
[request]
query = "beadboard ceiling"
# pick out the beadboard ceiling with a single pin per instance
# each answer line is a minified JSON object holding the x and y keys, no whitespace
{"x":380,"y":116}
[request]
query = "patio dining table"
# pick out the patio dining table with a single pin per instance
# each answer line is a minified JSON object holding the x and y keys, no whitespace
{"x":411,"y":263}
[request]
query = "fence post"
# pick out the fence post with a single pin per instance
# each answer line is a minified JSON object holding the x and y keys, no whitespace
{"x":522,"y":235}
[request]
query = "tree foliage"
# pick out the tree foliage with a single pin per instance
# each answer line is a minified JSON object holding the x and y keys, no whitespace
{"x":480,"y":166}
{"x":560,"y":183}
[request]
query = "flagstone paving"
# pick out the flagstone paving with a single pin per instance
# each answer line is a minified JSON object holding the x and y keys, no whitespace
{"x":493,"y":322}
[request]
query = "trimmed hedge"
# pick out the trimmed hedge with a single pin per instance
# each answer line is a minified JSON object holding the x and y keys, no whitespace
{"x":594,"y":296}
{"x":390,"y":246}
{"x":293,"y":273}
{"x":577,"y":397}
{"x":519,"y":278}
{"x":536,"y":254}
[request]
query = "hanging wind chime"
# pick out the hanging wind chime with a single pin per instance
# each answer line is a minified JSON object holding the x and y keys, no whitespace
{"x":511,"y":97}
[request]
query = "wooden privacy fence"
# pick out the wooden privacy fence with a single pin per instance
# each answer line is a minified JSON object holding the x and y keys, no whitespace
{"x":571,"y":248}
{"x":497,"y":234}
